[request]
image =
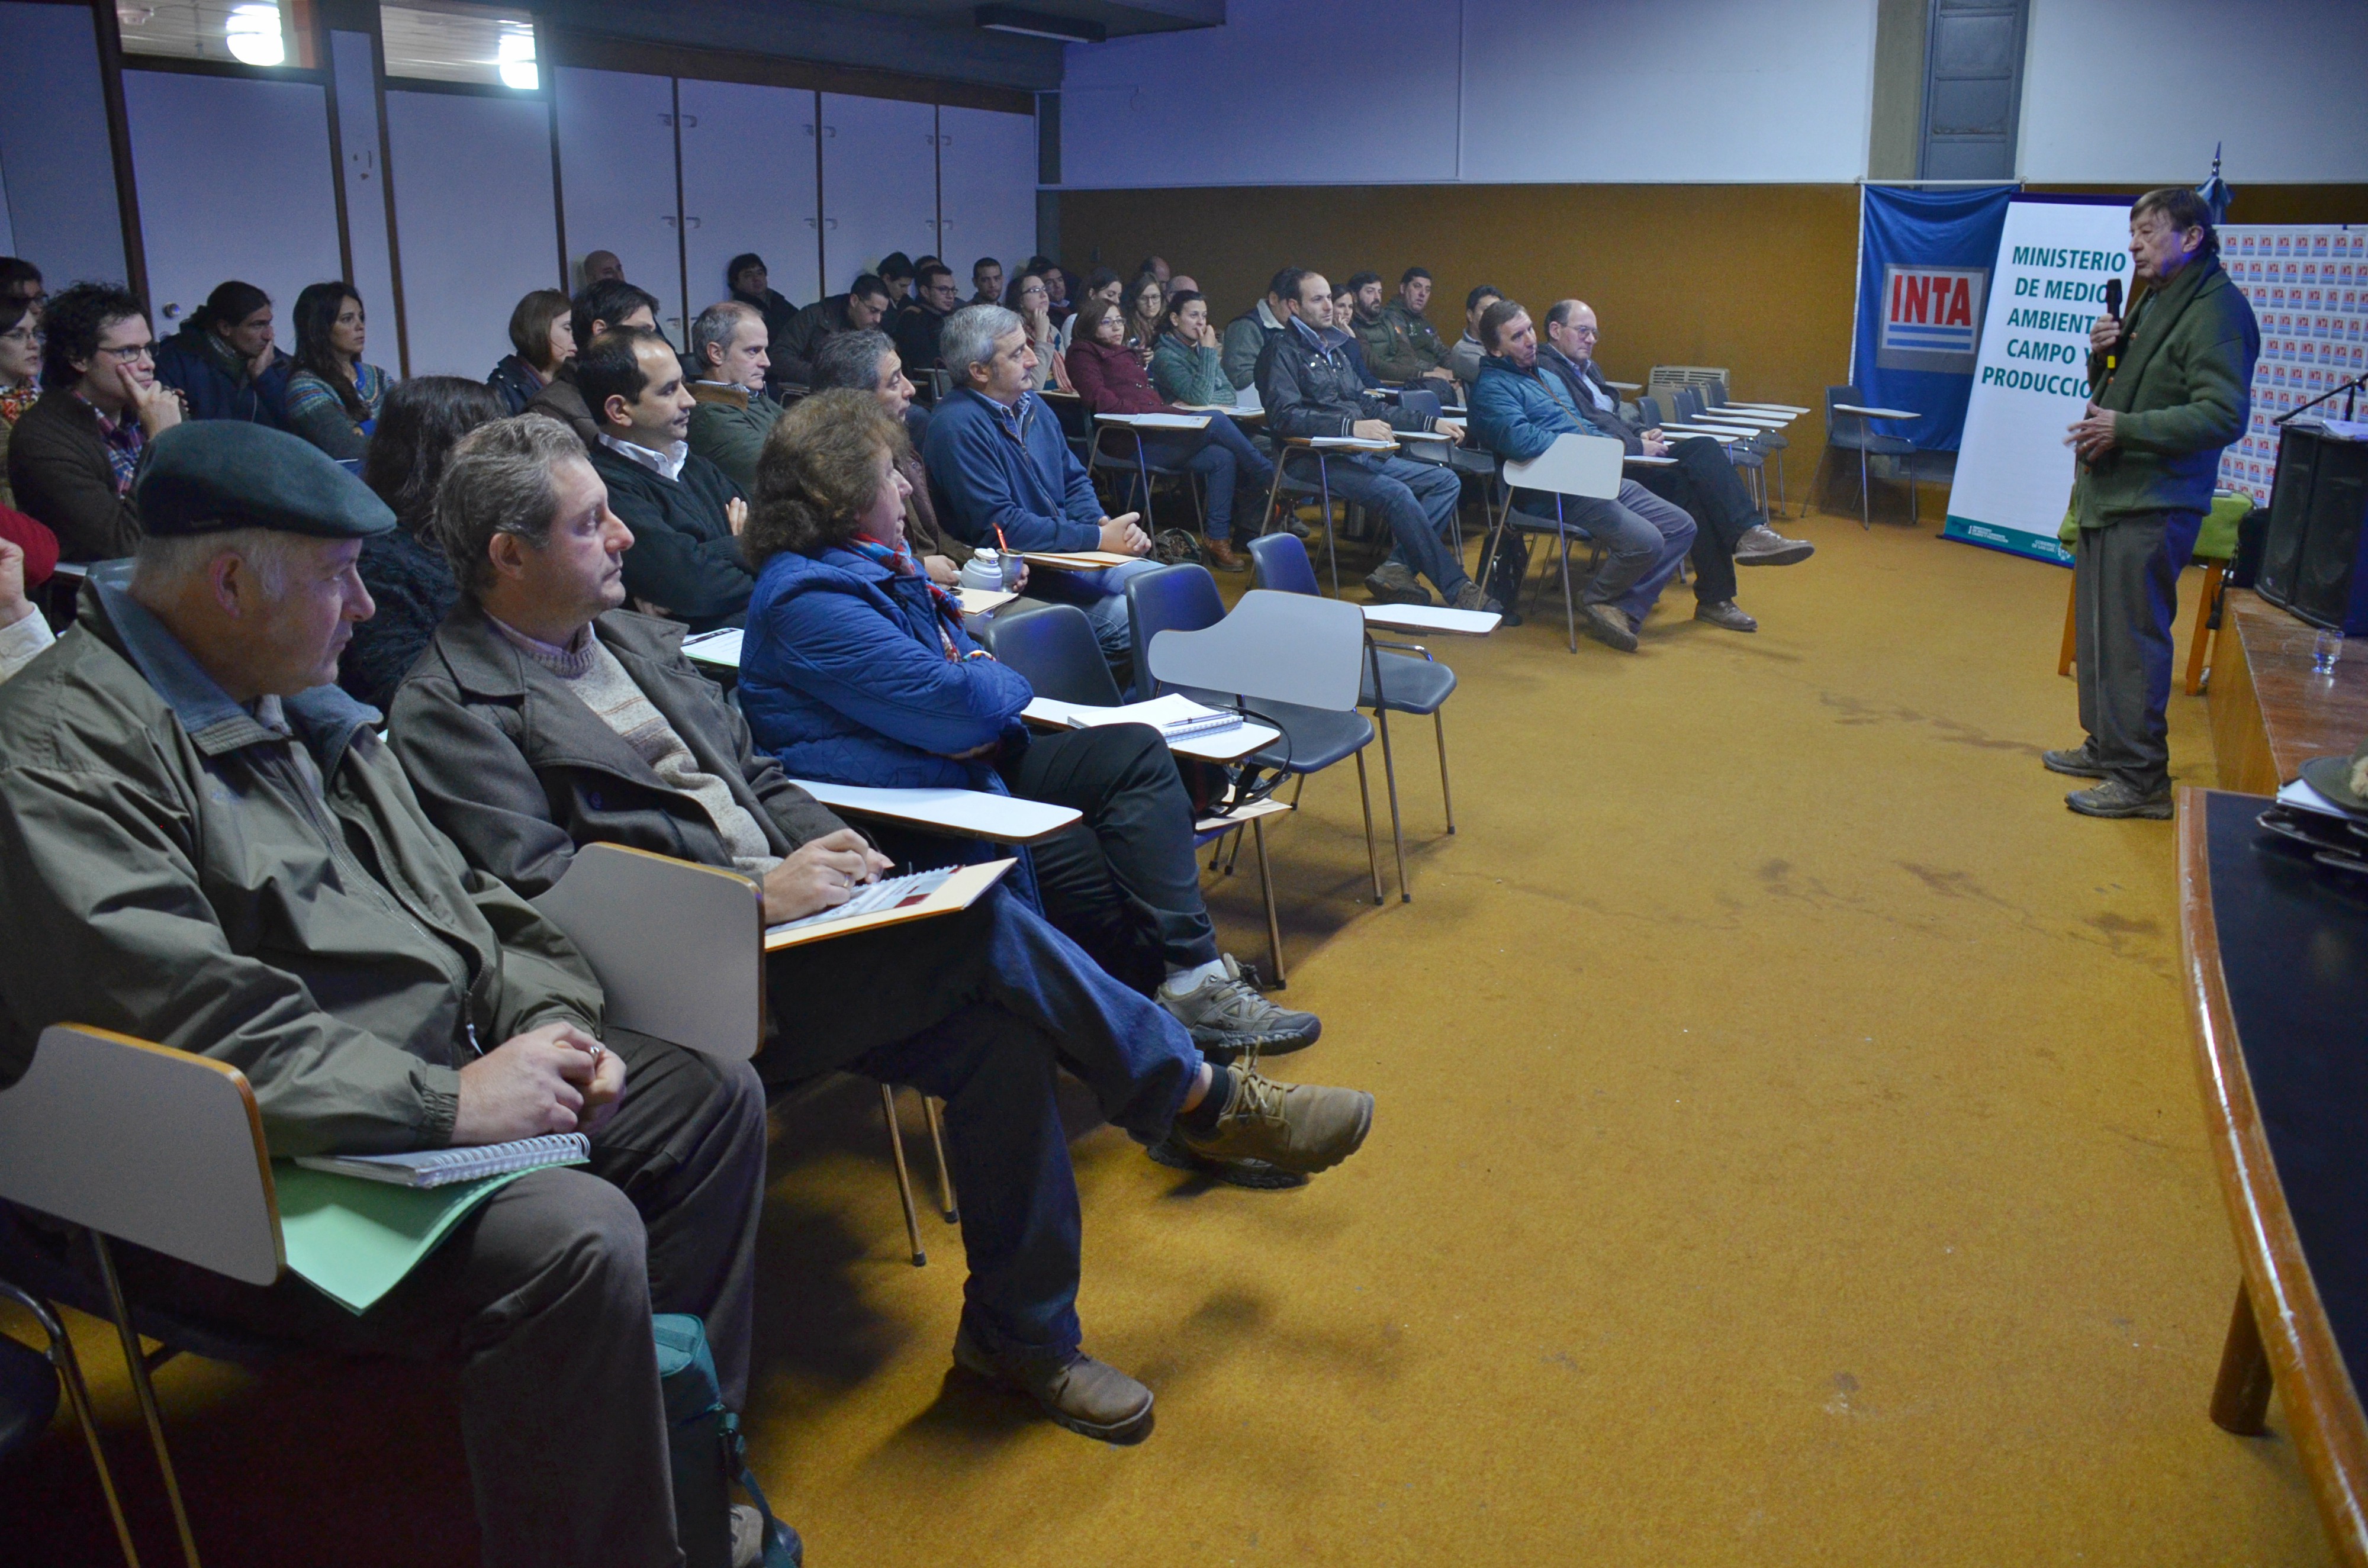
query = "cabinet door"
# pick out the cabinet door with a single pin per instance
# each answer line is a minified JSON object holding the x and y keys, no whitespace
{"x":475,"y":224}
{"x":879,"y":184}
{"x":351,"y":57}
{"x":617,"y":179}
{"x":986,"y":189}
{"x":55,"y":159}
{"x":749,"y":184}
{"x":266,"y":217}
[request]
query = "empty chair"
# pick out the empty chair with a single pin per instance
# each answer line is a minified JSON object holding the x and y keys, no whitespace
{"x":1286,"y":484}
{"x":1122,"y":452}
{"x":1769,"y":440}
{"x":1318,"y":731}
{"x":1400,"y":676}
{"x":1850,"y":432}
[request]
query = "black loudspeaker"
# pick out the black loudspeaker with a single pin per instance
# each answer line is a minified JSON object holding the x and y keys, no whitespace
{"x":2315,"y":562}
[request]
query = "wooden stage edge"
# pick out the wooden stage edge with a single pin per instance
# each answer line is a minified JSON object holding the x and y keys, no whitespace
{"x":2270,"y":713}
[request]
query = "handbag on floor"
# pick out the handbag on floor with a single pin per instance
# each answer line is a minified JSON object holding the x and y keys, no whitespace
{"x":710,"y":1457}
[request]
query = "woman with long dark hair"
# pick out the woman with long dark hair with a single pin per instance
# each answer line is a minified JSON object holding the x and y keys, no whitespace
{"x":542,"y":333}
{"x":223,"y":363}
{"x":334,"y":398}
{"x":20,"y":374}
{"x":1146,"y":303}
{"x":406,"y":571}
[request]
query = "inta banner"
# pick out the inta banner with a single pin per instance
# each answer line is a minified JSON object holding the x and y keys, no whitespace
{"x":2030,"y":375}
{"x":1923,"y":278}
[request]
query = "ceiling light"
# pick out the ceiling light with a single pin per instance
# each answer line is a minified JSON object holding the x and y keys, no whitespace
{"x":513,"y":56}
{"x":1037,"y":24}
{"x":253,"y":34}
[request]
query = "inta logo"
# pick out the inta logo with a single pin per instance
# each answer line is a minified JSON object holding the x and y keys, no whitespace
{"x":1931,"y":317}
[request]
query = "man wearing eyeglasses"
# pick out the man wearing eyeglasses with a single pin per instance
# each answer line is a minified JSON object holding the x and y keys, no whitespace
{"x":75,"y":451}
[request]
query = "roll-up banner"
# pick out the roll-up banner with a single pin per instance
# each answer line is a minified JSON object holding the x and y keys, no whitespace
{"x":2031,"y":371}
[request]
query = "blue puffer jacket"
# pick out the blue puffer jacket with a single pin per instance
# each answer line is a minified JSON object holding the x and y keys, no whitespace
{"x":1514,"y":413}
{"x":842,"y":679}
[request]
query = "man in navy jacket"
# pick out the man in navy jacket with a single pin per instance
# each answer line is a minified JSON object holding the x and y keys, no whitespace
{"x":1002,"y":476}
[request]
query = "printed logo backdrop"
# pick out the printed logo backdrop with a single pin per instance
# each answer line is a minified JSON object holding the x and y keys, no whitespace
{"x":2305,"y":283}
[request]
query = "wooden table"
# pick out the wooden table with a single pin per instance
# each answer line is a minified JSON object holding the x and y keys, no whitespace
{"x":2270,"y":712}
{"x":2275,"y":956}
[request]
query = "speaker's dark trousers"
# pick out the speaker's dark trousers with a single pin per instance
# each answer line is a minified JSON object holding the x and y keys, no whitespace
{"x":1705,"y":486}
{"x":2126,"y":595}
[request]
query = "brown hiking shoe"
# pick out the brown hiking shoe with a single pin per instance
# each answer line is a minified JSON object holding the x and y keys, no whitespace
{"x":1088,"y":1397}
{"x":1607,"y":624}
{"x":1299,"y":1127}
{"x":1392,"y":583}
{"x":1222,"y":555}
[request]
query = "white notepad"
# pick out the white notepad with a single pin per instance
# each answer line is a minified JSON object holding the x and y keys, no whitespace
{"x":443,"y":1167}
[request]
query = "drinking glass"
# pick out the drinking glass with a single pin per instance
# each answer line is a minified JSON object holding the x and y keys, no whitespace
{"x":2325,"y":649}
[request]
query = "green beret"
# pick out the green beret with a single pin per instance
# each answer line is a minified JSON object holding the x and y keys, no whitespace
{"x":205,"y":475}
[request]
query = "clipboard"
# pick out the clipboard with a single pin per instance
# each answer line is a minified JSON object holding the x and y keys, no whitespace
{"x":959,"y":893}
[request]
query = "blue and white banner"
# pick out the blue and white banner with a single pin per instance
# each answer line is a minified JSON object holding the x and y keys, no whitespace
{"x":2030,"y":379}
{"x":1923,"y":283}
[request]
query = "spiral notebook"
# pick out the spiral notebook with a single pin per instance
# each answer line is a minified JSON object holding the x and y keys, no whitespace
{"x":442,"y":1167}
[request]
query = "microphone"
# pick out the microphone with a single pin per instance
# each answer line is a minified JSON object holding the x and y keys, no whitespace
{"x":2114,"y":309}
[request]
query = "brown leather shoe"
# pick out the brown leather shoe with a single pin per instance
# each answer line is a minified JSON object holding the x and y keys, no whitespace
{"x":1296,"y":1127}
{"x":1086,"y":1396}
{"x":1222,"y":555}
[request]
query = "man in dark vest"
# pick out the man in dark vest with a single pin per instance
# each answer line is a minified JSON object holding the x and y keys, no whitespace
{"x":2166,"y":393}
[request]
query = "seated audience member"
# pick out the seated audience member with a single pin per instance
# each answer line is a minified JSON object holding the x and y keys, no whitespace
{"x":546,"y":717}
{"x":222,"y":362}
{"x":1704,"y":483}
{"x":404,"y":568}
{"x":860,"y":309}
{"x":612,"y":303}
{"x":20,"y":283}
{"x":1310,"y":386}
{"x":1001,"y":472}
{"x":985,"y":282}
{"x":28,"y":554}
{"x":1153,"y":267}
{"x":1180,"y":284}
{"x":685,"y":512}
{"x":1401,"y":346}
{"x":1247,"y":335}
{"x":1187,"y":367}
{"x":164,"y":773}
{"x":1517,"y":412}
{"x":896,"y":271}
{"x":936,"y":298}
{"x":1065,"y":291}
{"x":748,"y":280}
{"x":1110,"y":377}
{"x":333,"y":398}
{"x":868,"y":362}
{"x":1465,"y":358}
{"x":728,"y":343}
{"x":542,"y":339}
{"x":20,"y":374}
{"x":75,"y":453}
{"x":1103,"y":285}
{"x":855,"y":670}
{"x":1145,"y":311}
{"x":1344,"y":319}
{"x":1032,"y":300}
{"x":599,"y":266}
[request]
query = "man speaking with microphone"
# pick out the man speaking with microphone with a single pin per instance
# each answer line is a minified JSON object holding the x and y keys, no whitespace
{"x":2167,"y":389}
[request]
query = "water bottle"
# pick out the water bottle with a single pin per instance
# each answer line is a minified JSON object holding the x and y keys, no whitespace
{"x":983,"y":571}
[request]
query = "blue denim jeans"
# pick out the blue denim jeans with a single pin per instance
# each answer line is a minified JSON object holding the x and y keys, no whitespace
{"x":1101,"y":595}
{"x":1223,"y":458}
{"x":1041,"y":1004}
{"x":1417,"y":503}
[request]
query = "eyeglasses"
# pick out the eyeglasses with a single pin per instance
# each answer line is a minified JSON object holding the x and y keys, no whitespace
{"x":136,"y":351}
{"x":26,"y":333}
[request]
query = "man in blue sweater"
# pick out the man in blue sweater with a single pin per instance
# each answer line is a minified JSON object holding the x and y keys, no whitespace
{"x":1517,"y":412}
{"x":1002,"y":476}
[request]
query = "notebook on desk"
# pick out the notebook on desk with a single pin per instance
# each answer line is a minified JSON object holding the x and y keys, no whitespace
{"x":1076,"y":560}
{"x":1173,"y":716}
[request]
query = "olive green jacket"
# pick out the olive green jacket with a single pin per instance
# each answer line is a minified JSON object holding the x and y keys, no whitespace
{"x":2182,"y":392}
{"x":178,"y":868}
{"x":1401,"y":346}
{"x":728,"y":429}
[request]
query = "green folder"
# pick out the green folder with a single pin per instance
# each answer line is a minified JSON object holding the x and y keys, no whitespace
{"x":354,"y":1240}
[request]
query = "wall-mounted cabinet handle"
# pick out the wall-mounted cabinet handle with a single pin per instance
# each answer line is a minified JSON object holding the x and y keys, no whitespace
{"x":668,"y":217}
{"x":666,"y":120}
{"x":691,"y":222}
{"x":690,"y":123}
{"x":813,"y":223}
{"x":830,"y":131}
{"x":807,"y":128}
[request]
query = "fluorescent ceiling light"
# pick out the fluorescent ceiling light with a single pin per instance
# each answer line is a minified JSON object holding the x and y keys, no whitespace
{"x":253,"y":35}
{"x":1039,"y":24}
{"x":514,"y":58}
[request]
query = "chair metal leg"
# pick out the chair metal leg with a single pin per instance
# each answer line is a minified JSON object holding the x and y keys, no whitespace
{"x":1331,"y":547}
{"x":1783,"y":502}
{"x":904,"y":1177}
{"x":1372,"y":854}
{"x":1266,"y":891}
{"x":1446,"y":790}
{"x":68,"y":1367}
{"x":948,"y":1209}
{"x":136,"y":1363}
{"x":1570,"y":613}
{"x":1865,"y":515}
{"x":1390,"y":775}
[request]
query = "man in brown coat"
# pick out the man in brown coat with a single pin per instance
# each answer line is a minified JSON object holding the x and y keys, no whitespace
{"x":77,"y":449}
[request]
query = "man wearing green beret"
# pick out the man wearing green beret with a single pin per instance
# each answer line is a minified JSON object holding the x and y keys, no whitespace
{"x":2166,"y":393}
{"x":203,"y":843}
